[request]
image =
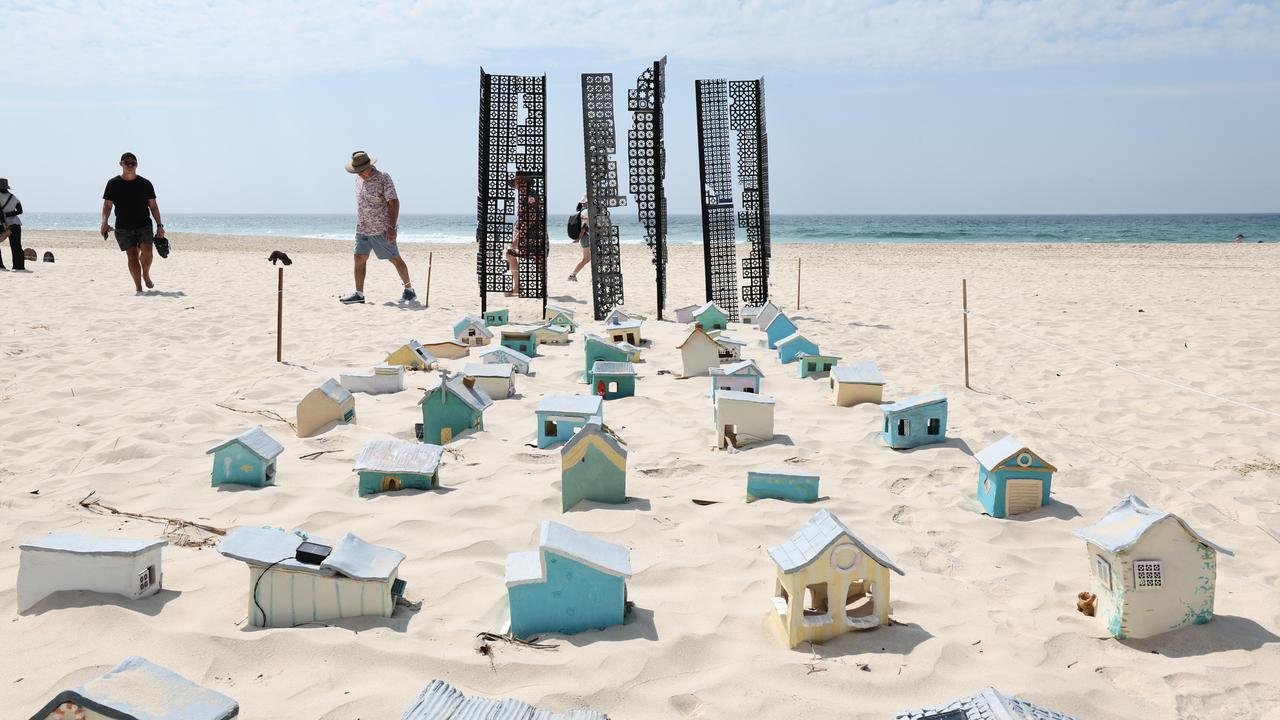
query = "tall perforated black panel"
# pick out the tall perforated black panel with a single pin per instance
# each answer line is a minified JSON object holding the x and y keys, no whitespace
{"x":647,"y":155}
{"x":718,"y":253}
{"x":513,"y":142}
{"x":599,"y":141}
{"x":746,"y":117}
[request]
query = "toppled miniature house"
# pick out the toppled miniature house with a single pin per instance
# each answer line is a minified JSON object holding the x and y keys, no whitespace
{"x":472,"y":331}
{"x":593,"y":466}
{"x":387,"y":465}
{"x":295,"y":580}
{"x":441,"y":701}
{"x":246,"y":459}
{"x":497,"y":380}
{"x":571,"y":583}
{"x":329,"y":403}
{"x":632,"y":351}
{"x":383,"y":380}
{"x":560,"y":416}
{"x":614,"y":380}
{"x":447,"y":349}
{"x":501,"y":354}
{"x":857,"y":383}
{"x":1011,"y":478}
{"x":815,"y":364}
{"x":62,"y":561}
{"x":451,"y":407}
{"x":743,"y":376}
{"x":989,"y":704}
{"x":1152,"y":572}
{"x":742,"y":418}
{"x":822,"y":562}
{"x":596,"y":347}
{"x":138,"y":689}
{"x":495,"y":318}
{"x":796,"y":487}
{"x":698,"y":353}
{"x":413,"y":356}
{"x":918,"y":420}
{"x":791,"y":347}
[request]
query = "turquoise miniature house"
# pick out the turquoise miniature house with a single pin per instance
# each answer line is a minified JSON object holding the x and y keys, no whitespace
{"x":596,"y":348}
{"x":386,"y":465}
{"x":593,"y":466}
{"x":494,"y":318}
{"x":247,"y":459}
{"x":781,"y":486}
{"x":560,"y":416}
{"x":613,"y":380}
{"x":918,"y":420}
{"x":710,"y":317}
{"x":571,"y":583}
{"x":522,"y":341}
{"x":791,"y":347}
{"x":560,"y":316}
{"x":1011,"y":478}
{"x":815,"y":364}
{"x":779,"y":328}
{"x":451,"y":407}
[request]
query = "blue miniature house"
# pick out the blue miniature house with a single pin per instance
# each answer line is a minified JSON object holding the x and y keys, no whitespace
{"x":778,"y":328}
{"x":387,"y":465}
{"x":710,"y":317}
{"x":138,"y":689}
{"x":1011,"y":478}
{"x":494,"y":318}
{"x":781,"y":486}
{"x":918,"y":420}
{"x":815,"y":364}
{"x":247,"y":459}
{"x":571,"y":583}
{"x":596,"y":348}
{"x":791,"y":347}
{"x":452,"y":407}
{"x":560,"y":416}
{"x":522,"y":341}
{"x":613,"y":380}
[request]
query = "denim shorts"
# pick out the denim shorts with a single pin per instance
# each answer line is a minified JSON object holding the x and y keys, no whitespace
{"x":382,"y":249}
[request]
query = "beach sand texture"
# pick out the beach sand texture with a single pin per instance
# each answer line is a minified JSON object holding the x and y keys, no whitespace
{"x":105,"y":392}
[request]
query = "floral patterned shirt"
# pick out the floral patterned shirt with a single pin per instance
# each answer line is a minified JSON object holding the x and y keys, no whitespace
{"x":373,"y":211}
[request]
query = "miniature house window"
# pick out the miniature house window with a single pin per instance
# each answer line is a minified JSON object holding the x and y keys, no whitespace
{"x":1024,"y":460}
{"x":748,"y":389}
{"x":349,"y":415}
{"x":904,"y":426}
{"x":613,"y":387}
{"x":845,"y":557}
{"x":1103,"y":570}
{"x":886,"y":424}
{"x":1147,"y":574}
{"x":146,"y":578}
{"x":935,"y":426}
{"x":826,"y":367}
{"x":857,"y":602}
{"x":471,"y":332}
{"x":271,"y":470}
{"x":986,"y":485}
{"x":549,"y":428}
{"x":631,"y":338}
{"x":815,"y":599}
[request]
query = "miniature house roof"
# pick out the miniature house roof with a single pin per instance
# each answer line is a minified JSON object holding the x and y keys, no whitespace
{"x":505,"y":351}
{"x":256,"y":441}
{"x":601,"y":339}
{"x":695,"y":333}
{"x":417,"y":349}
{"x":385,"y":369}
{"x":554,"y":309}
{"x":917,"y":401}
{"x":742,"y":367}
{"x":351,"y":556}
{"x":1126,"y":523}
{"x":474,"y":397}
{"x":595,"y":428}
{"x":441,"y":701}
{"x":399,"y":456}
{"x":89,"y":545}
{"x":743,"y":397}
{"x":726,"y":340}
{"x":475,"y":322}
{"x":553,"y":328}
{"x":571,"y":404}
{"x":605,"y":367}
{"x":527,"y":567}
{"x":138,"y":689}
{"x":780,"y":317}
{"x":810,"y":541}
{"x":990,"y":704}
{"x":793,"y":337}
{"x":817,"y":356}
{"x":335,"y":392}
{"x":863,"y":373}
{"x":707,"y":306}
{"x":624,"y":325}
{"x":451,"y":341}
{"x":1000,"y":451}
{"x":497,"y":370}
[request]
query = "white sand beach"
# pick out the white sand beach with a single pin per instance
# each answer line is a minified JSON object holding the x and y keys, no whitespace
{"x":120,"y":395}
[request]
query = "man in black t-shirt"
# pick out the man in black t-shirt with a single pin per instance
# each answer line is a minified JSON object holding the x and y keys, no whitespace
{"x":134,"y":200}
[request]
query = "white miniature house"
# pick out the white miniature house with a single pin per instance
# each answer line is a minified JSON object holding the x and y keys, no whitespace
{"x":384,"y":379}
{"x":502,"y":354}
{"x":742,"y":418}
{"x":698,"y":353}
{"x":138,"y":689}
{"x":411,"y":355}
{"x":497,"y":380}
{"x":62,"y":561}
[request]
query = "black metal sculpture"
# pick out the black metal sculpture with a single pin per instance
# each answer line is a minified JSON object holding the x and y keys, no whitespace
{"x":647,"y":155}
{"x":720,"y":260}
{"x":512,"y":178}
{"x":746,"y":116}
{"x":599,"y":142}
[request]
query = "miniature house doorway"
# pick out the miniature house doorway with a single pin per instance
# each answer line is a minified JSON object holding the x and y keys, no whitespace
{"x":1022,"y":495}
{"x":730,"y":436}
{"x":446,"y":434}
{"x":390,"y":482}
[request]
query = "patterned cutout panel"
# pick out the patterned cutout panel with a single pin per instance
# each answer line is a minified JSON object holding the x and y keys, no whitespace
{"x":746,"y":117}
{"x":599,"y":142}
{"x":718,"y":252}
{"x":647,"y":154}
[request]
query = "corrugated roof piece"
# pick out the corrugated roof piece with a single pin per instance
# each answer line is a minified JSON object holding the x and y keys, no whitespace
{"x":335,"y":392}
{"x":138,"y":689}
{"x":1128,"y":521}
{"x":399,"y":456}
{"x":572,"y":404}
{"x":257,"y":441}
{"x":605,"y":367}
{"x":818,"y":356}
{"x":990,"y":704}
{"x":810,"y":541}
{"x":917,"y":401}
{"x":599,"y":554}
{"x":863,"y":373}
{"x":441,"y":701}
{"x":744,"y":396}
{"x":498,"y":370}
{"x":351,"y":556}
{"x":90,"y":545}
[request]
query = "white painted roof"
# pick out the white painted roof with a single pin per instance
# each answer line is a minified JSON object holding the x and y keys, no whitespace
{"x":741,"y":367}
{"x":473,"y":321}
{"x":441,"y":701}
{"x":726,"y":340}
{"x":256,"y":440}
{"x":989,"y":704}
{"x":557,"y":329}
{"x":335,"y":392}
{"x":863,"y":373}
{"x":916,"y":401}
{"x":818,"y":356}
{"x":571,"y":404}
{"x":497,"y":370}
{"x":560,"y":309}
{"x":351,"y":556}
{"x":605,"y":367}
{"x":399,"y":456}
{"x":505,"y":351}
{"x":138,"y":689}
{"x":624,"y":325}
{"x":694,"y":333}
{"x":995,"y":454}
{"x":743,"y":396}
{"x":594,"y":552}
{"x":90,"y":545}
{"x":474,"y":397}
{"x":1126,"y":523}
{"x":810,"y":541}
{"x":793,"y":337}
{"x":707,"y":306}
{"x":775,"y":319}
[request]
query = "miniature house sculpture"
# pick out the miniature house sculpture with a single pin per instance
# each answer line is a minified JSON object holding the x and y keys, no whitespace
{"x":329,"y":403}
{"x":760,"y":315}
{"x":616,"y":315}
{"x":593,"y":466}
{"x":496,"y":318}
{"x":441,"y":701}
{"x":856,"y":383}
{"x":685,"y":314}
{"x":451,"y":407}
{"x":1011,"y":478}
{"x":815,"y":364}
{"x":560,"y":416}
{"x":822,"y":562}
{"x":742,"y":418}
{"x":1151,"y":571}
{"x":550,"y":312}
{"x":594,"y":348}
{"x":730,"y":349}
{"x":791,"y":347}
{"x":571,"y":583}
{"x":743,"y":376}
{"x":354,"y":579}
{"x":781,"y":486}
{"x":625,"y":331}
{"x":384,"y":379}
{"x":387,"y":465}
{"x":614,"y":380}
{"x":520,"y":362}
{"x":246,"y":459}
{"x":63,"y":561}
{"x":778,"y":328}
{"x":632,"y":351}
{"x":447,"y":349}
{"x":138,"y":689}
{"x":918,"y":420}
{"x":472,"y":331}
{"x":710,"y":317}
{"x":522,"y":341}
{"x":549,"y":334}
{"x":990,"y":704}
{"x":497,"y":380}
{"x":698,"y":353}
{"x":412,"y":355}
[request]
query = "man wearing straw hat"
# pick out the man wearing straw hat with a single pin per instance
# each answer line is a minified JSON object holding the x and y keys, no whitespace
{"x":377,"y":210}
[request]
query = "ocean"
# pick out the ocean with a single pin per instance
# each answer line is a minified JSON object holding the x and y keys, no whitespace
{"x":687,"y":229}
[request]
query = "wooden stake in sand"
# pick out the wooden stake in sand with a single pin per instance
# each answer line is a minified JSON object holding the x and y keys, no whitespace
{"x":964,"y":299}
{"x":798,"y":283}
{"x":280,"y":316}
{"x":427,"y":300}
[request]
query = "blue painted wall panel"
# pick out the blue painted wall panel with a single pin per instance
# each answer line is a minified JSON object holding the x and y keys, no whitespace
{"x":574,"y":598}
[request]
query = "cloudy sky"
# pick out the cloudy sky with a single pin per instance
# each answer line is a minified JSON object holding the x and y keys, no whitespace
{"x":874,"y":106}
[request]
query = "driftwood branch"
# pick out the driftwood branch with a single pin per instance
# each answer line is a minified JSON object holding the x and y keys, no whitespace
{"x":487,"y":637}
{"x":316,"y":454}
{"x":272,"y":414}
{"x":174,"y":527}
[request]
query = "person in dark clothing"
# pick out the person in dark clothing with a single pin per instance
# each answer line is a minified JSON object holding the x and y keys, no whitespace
{"x":11,"y":218}
{"x":134,"y":200}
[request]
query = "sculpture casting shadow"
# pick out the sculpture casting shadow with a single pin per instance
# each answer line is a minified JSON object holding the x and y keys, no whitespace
{"x":1221,"y":634}
{"x":150,"y":605}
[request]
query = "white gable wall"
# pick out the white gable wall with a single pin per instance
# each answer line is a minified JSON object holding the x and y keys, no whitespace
{"x":42,"y":573}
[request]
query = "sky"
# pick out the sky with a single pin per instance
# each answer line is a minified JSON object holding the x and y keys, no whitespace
{"x":873,"y":106}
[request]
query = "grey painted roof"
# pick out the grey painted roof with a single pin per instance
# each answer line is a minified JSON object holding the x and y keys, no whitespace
{"x":334,"y":390}
{"x":822,"y":530}
{"x":707,"y":306}
{"x":743,"y":396}
{"x":498,"y":370}
{"x":351,"y":556}
{"x":474,"y":321}
{"x":741,"y":367}
{"x":995,"y":454}
{"x":595,"y":428}
{"x":572,"y":404}
{"x":553,"y":328}
{"x":505,"y":351}
{"x":605,"y":367}
{"x":863,"y":373}
{"x":399,"y":456}
{"x":916,"y":401}
{"x":1128,"y":521}
{"x":441,"y":701}
{"x":594,"y":552}
{"x":474,"y":397}
{"x":256,"y":440}
{"x":989,"y":704}
{"x":422,"y":352}
{"x":138,"y":689}
{"x":90,"y":545}
{"x":726,"y":340}
{"x":627,"y":324}
{"x":560,"y":309}
{"x":775,"y":319}
{"x":794,"y":337}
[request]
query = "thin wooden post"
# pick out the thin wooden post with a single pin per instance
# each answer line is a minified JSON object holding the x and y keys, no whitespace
{"x":964,"y":295}
{"x":280,"y":316}
{"x":798,"y":283}
{"x":430,"y":257}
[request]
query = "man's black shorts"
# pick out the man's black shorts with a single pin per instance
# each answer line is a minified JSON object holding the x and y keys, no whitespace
{"x":133,"y":237}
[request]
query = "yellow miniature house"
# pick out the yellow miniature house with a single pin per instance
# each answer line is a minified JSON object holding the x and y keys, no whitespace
{"x":448,"y":349}
{"x":412,"y":356}
{"x":825,"y":561}
{"x":856,"y":383}
{"x":329,"y":403}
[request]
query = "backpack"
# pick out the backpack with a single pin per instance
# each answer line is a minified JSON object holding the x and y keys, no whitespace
{"x":575,"y":226}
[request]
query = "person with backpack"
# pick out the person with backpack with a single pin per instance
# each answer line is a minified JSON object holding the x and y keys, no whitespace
{"x":11,"y":225}
{"x":580,"y":232}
